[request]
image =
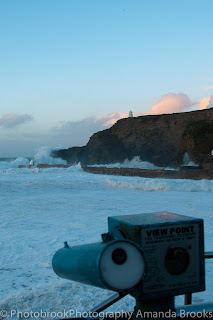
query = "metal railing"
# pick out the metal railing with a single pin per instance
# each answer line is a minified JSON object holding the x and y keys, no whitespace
{"x":188,"y":296}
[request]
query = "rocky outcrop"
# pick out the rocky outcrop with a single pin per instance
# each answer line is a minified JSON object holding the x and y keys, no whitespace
{"x":160,"y":139}
{"x":192,"y":174}
{"x":44,"y":166}
{"x":197,"y":140}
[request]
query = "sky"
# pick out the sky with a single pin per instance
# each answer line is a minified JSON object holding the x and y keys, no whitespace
{"x":69,"y":68}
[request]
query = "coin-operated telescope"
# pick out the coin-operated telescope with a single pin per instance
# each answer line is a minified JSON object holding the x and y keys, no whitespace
{"x":115,"y":265}
{"x":152,"y":256}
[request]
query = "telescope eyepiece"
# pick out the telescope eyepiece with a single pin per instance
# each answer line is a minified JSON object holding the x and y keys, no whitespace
{"x":119,"y":256}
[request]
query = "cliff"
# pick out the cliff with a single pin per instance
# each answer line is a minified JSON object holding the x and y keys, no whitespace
{"x":160,"y":139}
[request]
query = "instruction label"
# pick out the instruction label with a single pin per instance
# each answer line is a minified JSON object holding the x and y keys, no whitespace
{"x":155,"y":242}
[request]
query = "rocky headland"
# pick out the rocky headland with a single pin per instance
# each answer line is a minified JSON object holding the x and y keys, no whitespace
{"x":160,"y":139}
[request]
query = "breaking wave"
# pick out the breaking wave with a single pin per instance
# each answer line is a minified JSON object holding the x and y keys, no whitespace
{"x":148,"y":184}
{"x":43,"y":156}
{"x":19,"y":161}
{"x":135,"y":163}
{"x":188,"y":162}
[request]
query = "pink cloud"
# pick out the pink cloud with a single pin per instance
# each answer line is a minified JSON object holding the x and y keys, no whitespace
{"x":112,"y":118}
{"x":206,"y":103}
{"x":171,"y":103}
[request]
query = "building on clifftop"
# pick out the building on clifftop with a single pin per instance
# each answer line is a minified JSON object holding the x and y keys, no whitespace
{"x":130,"y":114}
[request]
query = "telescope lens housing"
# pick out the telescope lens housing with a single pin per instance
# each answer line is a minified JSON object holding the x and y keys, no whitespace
{"x":119,"y":256}
{"x":122,"y":265}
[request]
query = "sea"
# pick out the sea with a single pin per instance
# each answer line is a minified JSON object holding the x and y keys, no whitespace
{"x":43,"y":208}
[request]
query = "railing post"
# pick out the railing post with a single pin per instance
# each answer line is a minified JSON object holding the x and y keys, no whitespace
{"x":187,"y":299}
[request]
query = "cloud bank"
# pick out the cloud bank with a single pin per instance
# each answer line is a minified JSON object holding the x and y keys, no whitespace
{"x":11,"y":120}
{"x":78,"y":132}
{"x":171,"y":103}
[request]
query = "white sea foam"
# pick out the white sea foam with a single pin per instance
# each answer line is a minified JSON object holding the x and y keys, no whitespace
{"x":43,"y":156}
{"x":19,"y":161}
{"x":42,"y":208}
{"x":142,"y":184}
{"x":136,"y":163}
{"x":187,"y":161}
{"x":149,"y":184}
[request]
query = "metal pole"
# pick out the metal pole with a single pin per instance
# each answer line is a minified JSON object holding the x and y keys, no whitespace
{"x":209,"y":255}
{"x":188,"y":299}
{"x":107,"y":303}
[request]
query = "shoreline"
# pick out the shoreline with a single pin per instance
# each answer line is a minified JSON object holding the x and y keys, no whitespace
{"x":192,"y":174}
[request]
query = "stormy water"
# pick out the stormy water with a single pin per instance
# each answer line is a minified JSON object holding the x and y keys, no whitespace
{"x":42,"y":208}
